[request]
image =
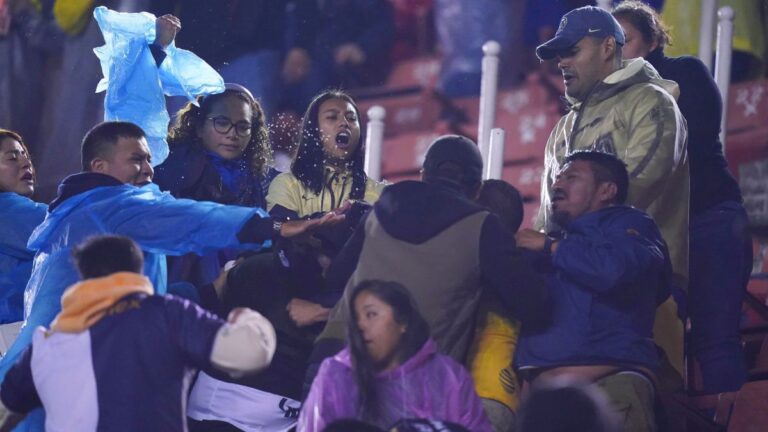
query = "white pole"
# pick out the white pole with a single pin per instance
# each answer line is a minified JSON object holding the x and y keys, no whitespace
{"x":707,"y":31}
{"x":723,"y":62}
{"x":495,"y":164}
{"x":605,"y":4}
{"x":488,"y":89}
{"x":373,"y":141}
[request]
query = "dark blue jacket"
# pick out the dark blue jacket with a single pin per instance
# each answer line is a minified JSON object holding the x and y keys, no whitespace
{"x":606,"y":278}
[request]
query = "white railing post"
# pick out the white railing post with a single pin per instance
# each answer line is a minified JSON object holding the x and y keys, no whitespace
{"x":707,"y":31}
{"x":723,"y":61}
{"x":605,"y":4}
{"x":488,"y":90}
{"x":495,"y":166}
{"x":373,"y":141}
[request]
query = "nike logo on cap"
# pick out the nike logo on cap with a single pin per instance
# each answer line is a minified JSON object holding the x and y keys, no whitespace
{"x":593,"y":30}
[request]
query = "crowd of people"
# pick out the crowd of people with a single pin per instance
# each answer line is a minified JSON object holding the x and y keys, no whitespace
{"x":211,"y":292}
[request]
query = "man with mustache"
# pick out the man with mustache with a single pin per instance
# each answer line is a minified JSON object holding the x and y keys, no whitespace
{"x":623,"y":108}
{"x":606,"y":273}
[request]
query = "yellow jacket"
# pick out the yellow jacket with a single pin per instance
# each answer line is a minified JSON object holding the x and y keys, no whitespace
{"x":287,"y":191}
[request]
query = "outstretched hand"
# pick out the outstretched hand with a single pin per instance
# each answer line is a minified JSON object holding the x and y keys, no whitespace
{"x":166,"y":28}
{"x":293,"y":229}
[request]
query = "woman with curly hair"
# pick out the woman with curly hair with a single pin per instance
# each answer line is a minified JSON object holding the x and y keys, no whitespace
{"x":220,"y":152}
{"x":720,"y":258}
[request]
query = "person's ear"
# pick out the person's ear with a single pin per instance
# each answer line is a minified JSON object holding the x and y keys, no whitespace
{"x":99,"y":165}
{"x":607,"y":191}
{"x":609,"y":48}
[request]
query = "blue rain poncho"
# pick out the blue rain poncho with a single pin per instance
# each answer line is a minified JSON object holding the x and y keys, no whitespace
{"x":135,"y":84}
{"x":20,"y":215}
{"x":159,"y":223}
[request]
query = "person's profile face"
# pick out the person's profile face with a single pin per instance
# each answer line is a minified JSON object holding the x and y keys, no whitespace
{"x":226,"y":130}
{"x":582,"y":66}
{"x":129,"y":162}
{"x":574,"y":192}
{"x":634,"y":44}
{"x":16,"y":172}
{"x":380,"y":332}
{"x":339,"y":129}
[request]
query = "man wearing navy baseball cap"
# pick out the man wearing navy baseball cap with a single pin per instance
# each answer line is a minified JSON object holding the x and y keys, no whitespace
{"x":621,"y":107}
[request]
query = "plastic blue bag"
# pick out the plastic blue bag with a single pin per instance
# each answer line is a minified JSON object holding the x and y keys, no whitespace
{"x":135,"y":85}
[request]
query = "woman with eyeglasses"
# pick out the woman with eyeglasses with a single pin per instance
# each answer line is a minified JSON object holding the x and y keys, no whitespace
{"x":19,"y":215}
{"x":220,"y":152}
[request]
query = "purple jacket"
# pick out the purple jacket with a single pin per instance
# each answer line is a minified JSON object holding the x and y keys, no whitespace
{"x":429,"y":385}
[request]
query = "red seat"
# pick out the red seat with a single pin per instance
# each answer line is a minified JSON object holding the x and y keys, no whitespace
{"x":408,"y":113}
{"x":421,"y":71}
{"x":747,"y":106}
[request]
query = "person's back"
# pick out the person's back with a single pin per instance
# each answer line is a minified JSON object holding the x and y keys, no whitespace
{"x":431,"y":237}
{"x":118,"y":357}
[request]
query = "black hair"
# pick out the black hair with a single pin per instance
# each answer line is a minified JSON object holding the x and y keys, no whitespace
{"x":504,"y":200}
{"x":102,"y":255}
{"x":406,"y":313}
{"x":606,"y":168}
{"x":101,"y":140}
{"x":190,"y":117}
{"x":646,"y":20}
{"x":578,"y":408}
{"x":308,"y":167}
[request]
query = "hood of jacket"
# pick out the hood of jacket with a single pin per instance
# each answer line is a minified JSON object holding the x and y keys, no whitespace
{"x":86,"y":302}
{"x":415,"y":211}
{"x":79,"y":183}
{"x":633,"y":71}
{"x":424,"y":354}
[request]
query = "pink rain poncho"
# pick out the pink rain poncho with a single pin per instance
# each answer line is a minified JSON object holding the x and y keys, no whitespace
{"x":429,"y":385}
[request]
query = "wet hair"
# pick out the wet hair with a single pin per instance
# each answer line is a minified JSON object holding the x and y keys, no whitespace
{"x":606,"y":168}
{"x":504,"y":200}
{"x":646,"y":20}
{"x":405,"y":312}
{"x":308,"y":167}
{"x":101,"y":140}
{"x":191,"y":117}
{"x":103,"y":255}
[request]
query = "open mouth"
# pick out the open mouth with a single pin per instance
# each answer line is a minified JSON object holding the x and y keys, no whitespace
{"x":28,"y":177}
{"x":568,"y":77}
{"x":342,"y":139}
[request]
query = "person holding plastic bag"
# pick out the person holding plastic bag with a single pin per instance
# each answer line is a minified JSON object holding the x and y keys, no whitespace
{"x":115,"y":194}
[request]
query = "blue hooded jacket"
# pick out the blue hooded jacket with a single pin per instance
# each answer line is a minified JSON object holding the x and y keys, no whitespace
{"x":20,"y":215}
{"x":605,"y":279}
{"x":159,"y":223}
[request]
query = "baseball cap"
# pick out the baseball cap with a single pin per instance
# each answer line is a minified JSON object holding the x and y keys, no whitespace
{"x":461,"y":151}
{"x":578,"y":23}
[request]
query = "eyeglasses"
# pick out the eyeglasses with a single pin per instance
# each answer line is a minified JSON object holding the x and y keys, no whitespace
{"x":223,"y":125}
